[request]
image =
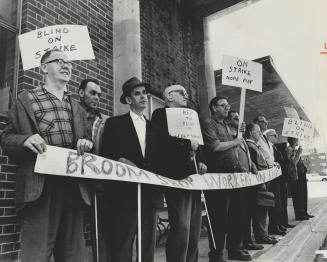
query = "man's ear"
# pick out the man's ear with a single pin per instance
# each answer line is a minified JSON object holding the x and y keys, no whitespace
{"x":44,"y":69}
{"x":169,"y":97}
{"x":81,"y":92}
{"x":128,"y":100}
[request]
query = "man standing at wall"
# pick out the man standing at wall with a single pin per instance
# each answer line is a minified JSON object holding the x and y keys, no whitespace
{"x":49,"y":207}
{"x":173,"y":157}
{"x":225,"y":206}
{"x":125,"y":139}
{"x":89,"y":93}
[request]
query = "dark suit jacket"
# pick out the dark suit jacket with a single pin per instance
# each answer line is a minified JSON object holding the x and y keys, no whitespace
{"x":120,"y":140}
{"x":170,"y":156}
{"x":21,"y":125}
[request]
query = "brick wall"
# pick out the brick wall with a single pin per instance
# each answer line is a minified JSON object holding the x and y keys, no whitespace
{"x":167,"y":46}
{"x":97,"y":15}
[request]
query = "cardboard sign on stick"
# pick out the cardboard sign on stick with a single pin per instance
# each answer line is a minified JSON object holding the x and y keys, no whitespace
{"x":184,"y":123}
{"x":294,"y":127}
{"x":242,"y":73}
{"x":74,"y":40}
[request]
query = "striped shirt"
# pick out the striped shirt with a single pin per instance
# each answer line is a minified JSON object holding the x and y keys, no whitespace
{"x":54,"y":117}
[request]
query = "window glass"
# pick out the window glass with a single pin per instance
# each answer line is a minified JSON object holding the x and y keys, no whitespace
{"x":7,"y":63}
{"x":8,"y":11}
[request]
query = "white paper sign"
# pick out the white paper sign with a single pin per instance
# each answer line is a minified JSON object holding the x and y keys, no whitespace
{"x":74,"y":40}
{"x":184,"y":123}
{"x":294,"y":127}
{"x":242,"y":73}
{"x":65,"y":162}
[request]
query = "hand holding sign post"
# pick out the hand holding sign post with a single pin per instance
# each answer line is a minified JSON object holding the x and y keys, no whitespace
{"x":242,"y":73}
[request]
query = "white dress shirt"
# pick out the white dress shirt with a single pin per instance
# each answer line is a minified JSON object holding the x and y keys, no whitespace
{"x":140,"y":127}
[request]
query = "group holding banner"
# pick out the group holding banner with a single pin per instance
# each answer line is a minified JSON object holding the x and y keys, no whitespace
{"x":138,"y":161}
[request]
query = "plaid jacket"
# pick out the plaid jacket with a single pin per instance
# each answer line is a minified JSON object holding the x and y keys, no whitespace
{"x":21,"y":125}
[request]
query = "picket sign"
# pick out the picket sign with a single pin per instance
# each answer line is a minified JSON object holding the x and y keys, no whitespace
{"x":74,"y":40}
{"x":242,"y":73}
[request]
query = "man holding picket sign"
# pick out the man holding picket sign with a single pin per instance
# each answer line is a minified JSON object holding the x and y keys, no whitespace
{"x":49,"y":207}
{"x":174,"y":158}
{"x":126,"y":139}
{"x":225,"y":206}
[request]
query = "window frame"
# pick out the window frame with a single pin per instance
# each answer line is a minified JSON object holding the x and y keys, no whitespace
{"x":17,"y":31}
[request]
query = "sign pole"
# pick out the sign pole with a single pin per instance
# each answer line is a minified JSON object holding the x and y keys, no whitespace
{"x":96,"y":227}
{"x":139,"y":229}
{"x":242,"y":106}
{"x":205,"y":206}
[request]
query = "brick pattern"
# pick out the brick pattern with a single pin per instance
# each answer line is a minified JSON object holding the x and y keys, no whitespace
{"x":97,"y":15}
{"x":168,"y":54}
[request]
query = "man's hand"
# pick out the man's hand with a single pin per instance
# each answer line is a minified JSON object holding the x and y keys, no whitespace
{"x":83,"y":145}
{"x":35,"y":143}
{"x":242,"y":127}
{"x":126,"y":161}
{"x":194,"y":145}
{"x":237,"y":141}
{"x":202,"y":168}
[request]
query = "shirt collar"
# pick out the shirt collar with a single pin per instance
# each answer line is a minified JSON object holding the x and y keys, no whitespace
{"x":135,"y":116}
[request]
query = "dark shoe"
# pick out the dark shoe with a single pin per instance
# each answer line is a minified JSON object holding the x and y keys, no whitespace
{"x":309,"y":216}
{"x":276,"y":231}
{"x":266,"y":240}
{"x":216,"y":256}
{"x":282,"y":228}
{"x":289,"y":225}
{"x":253,"y":246}
{"x":301,"y":218}
{"x":239,"y":255}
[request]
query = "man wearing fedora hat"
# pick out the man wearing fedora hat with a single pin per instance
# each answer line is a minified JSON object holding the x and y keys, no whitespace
{"x":125,"y":139}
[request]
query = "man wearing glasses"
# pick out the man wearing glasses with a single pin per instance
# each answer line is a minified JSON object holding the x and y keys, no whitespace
{"x":49,"y":208}
{"x":225,"y":207}
{"x":174,"y":158}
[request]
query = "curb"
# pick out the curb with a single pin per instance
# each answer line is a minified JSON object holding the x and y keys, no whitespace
{"x":301,"y":242}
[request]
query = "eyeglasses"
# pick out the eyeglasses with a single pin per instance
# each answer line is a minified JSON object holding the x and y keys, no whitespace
{"x":225,"y":106}
{"x":60,"y":62}
{"x":181,"y":92}
{"x":275,"y":135}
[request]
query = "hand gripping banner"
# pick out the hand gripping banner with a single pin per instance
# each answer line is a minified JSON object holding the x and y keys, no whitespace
{"x":65,"y":162}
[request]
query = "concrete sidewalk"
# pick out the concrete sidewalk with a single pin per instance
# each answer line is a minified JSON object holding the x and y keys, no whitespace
{"x":298,"y":245}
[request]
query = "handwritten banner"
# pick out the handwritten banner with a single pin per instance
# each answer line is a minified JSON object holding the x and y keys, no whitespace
{"x":297,"y":128}
{"x":242,"y":73}
{"x":66,"y":162}
{"x":184,"y":123}
{"x":74,"y":40}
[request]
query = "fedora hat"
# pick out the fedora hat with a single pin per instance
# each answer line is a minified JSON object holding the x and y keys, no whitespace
{"x":129,"y":85}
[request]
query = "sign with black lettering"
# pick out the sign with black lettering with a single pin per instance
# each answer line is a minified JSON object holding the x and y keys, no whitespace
{"x":294,"y":127}
{"x":74,"y":40}
{"x":242,"y":73}
{"x":65,"y":162}
{"x":184,"y":123}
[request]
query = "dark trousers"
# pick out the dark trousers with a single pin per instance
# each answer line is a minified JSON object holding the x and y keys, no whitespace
{"x":283,"y":201}
{"x":184,"y":213}
{"x":118,"y":230}
{"x":260,"y":217}
{"x":275,"y":213}
{"x":225,"y":208}
{"x":53,"y":224}
{"x":300,"y":196}
{"x":250,"y":205}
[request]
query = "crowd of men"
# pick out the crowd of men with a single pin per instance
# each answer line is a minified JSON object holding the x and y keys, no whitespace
{"x":50,"y":208}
